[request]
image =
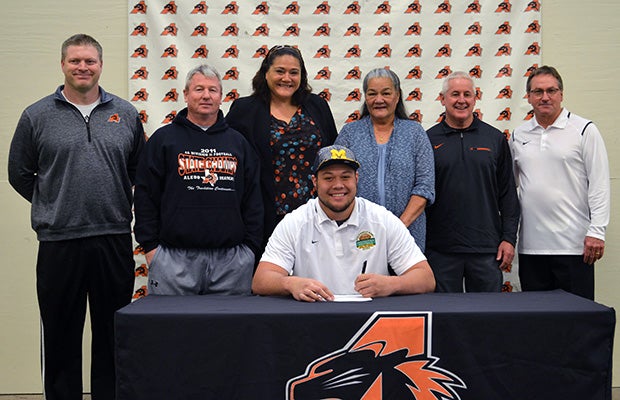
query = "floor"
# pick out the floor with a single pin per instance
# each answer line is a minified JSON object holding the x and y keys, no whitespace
{"x":615,"y":395}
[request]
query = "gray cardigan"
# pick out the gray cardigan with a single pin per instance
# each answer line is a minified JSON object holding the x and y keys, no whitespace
{"x":409,"y":167}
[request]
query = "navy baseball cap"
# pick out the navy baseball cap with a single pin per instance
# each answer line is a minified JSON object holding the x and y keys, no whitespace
{"x":334,"y":155}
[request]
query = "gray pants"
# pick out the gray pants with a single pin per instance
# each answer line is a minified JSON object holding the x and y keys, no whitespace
{"x":175,"y":271}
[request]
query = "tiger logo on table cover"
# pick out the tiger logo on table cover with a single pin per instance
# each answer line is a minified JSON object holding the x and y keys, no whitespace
{"x":389,"y":357}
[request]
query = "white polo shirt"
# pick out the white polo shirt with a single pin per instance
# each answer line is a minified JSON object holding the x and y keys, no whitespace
{"x":562,"y":175}
{"x":307,"y":243}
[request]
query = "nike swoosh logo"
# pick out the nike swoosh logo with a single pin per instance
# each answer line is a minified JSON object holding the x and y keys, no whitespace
{"x":526,"y":142}
{"x":315,"y":241}
{"x":435,"y":147}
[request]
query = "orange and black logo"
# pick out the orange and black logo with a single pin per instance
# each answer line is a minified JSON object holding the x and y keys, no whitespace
{"x":231,"y":74}
{"x":354,"y":116}
{"x":323,"y":52}
{"x":444,"y":51}
{"x":474,"y":29}
{"x":292,"y":30}
{"x":507,"y":287}
{"x":533,"y":27}
{"x":533,"y":49}
{"x":354,"y":95}
{"x":414,"y":73}
{"x":533,"y":6}
{"x":415,"y":30}
{"x":504,"y":115}
{"x":529,"y":115}
{"x":354,"y":51}
{"x":170,"y":8}
{"x":504,"y":29}
{"x":504,"y":50}
{"x":170,"y":51}
{"x":474,"y":51}
{"x":292,"y":9}
{"x":442,"y":73}
{"x":383,"y":8}
{"x":506,"y":71}
{"x":478,"y":94}
{"x":322,"y":8}
{"x":444,"y":29}
{"x":505,"y":93}
{"x":384,"y":51}
{"x":140,"y":73}
{"x":531,"y":69}
{"x":144,"y":117}
{"x":139,"y":8}
{"x":354,"y":73}
{"x":171,"y":95}
{"x":415,"y":51}
{"x":262,"y":30}
{"x":444,"y":7}
{"x":477,"y":113}
{"x":474,"y":7}
{"x":506,"y":133}
{"x":170,"y":30}
{"x":353,"y":30}
{"x":140,"y":292}
{"x":414,"y":8}
{"x":261,"y":9}
{"x":353,"y":8}
{"x":325,"y":94}
{"x":415,"y":95}
{"x":231,"y":30}
{"x":324,"y":73}
{"x":138,"y":250}
{"x":140,"y":95}
{"x":323,"y":30}
{"x":476,"y":72}
{"x":261,"y":52}
{"x":169,"y":117}
{"x":140,"y":52}
{"x":201,"y":52}
{"x":231,"y":96}
{"x":115,"y":118}
{"x":200,"y":8}
{"x":416,"y":116}
{"x":384,"y":30}
{"x":231,"y":8}
{"x":200,"y":30}
{"x":231,"y":52}
{"x":140,"y":30}
{"x":440,"y":118}
{"x":141,"y":270}
{"x":388,"y":359}
{"x":504,"y":6}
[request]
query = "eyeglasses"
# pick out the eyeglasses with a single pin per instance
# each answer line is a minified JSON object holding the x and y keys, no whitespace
{"x":540,"y":92}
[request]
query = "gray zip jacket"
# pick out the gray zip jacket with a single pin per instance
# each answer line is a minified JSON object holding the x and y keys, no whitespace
{"x":77,"y":174}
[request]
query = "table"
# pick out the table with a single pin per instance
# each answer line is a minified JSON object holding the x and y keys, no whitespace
{"x":532,"y":345}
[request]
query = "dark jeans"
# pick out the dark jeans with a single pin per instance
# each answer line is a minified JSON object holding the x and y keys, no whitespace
{"x":549,"y":272}
{"x":475,"y":272}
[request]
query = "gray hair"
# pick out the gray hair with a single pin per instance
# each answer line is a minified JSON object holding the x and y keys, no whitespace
{"x":205,"y":70}
{"x":401,"y":111}
{"x":456,"y":75}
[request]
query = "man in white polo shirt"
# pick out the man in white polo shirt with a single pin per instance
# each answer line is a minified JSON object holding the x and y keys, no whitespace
{"x":339,"y":244}
{"x":562,"y":172}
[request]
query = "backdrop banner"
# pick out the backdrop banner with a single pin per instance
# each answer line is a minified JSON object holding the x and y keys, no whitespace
{"x":497,"y":42}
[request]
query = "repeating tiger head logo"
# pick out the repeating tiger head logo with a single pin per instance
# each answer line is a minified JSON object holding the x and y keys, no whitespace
{"x":444,"y":7}
{"x":262,"y":30}
{"x":140,"y":30}
{"x":414,"y":8}
{"x":292,"y":30}
{"x":169,"y":117}
{"x":474,"y":8}
{"x":231,"y":30}
{"x":505,"y":93}
{"x":140,"y":95}
{"x":384,"y":51}
{"x":416,"y":116}
{"x":171,"y":95}
{"x":533,"y":6}
{"x":170,"y":51}
{"x":415,"y":95}
{"x":474,"y":51}
{"x":323,"y":52}
{"x":444,"y":51}
{"x":261,"y":9}
{"x":414,"y":73}
{"x":506,"y":71}
{"x":292,"y":9}
{"x":140,"y":73}
{"x":475,"y":72}
{"x":414,"y":30}
{"x":139,"y":8}
{"x":143,"y":116}
{"x":231,"y":96}
{"x":323,"y":30}
{"x":533,"y":49}
{"x":231,"y":52}
{"x":354,"y":116}
{"x":231,"y":74}
{"x":231,"y":8}
{"x":504,"y":6}
{"x":140,"y":52}
{"x":384,"y":30}
{"x":354,"y":95}
{"x":414,"y":51}
{"x":384,"y":8}
{"x":323,"y":73}
{"x":322,"y":8}
{"x":504,"y":29}
{"x":474,"y":29}
{"x":504,"y":50}
{"x":353,"y":30}
{"x":533,"y":27}
{"x":353,"y":8}
{"x":354,"y":51}
{"x":444,"y":72}
{"x":354,"y":73}
{"x":170,"y":8}
{"x":444,"y":29}
{"x":504,"y":115}
{"x":325,"y":94}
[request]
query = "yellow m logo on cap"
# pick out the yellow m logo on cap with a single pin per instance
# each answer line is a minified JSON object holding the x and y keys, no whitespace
{"x":339,"y":154}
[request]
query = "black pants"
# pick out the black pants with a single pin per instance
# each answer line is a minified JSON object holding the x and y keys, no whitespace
{"x":102,"y":269}
{"x":549,"y":272}
{"x":472,"y":272}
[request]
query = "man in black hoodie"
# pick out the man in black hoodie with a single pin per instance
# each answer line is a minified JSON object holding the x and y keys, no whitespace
{"x":198,"y":206}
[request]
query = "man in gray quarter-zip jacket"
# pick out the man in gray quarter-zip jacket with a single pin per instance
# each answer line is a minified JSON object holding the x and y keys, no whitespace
{"x":74,"y":156}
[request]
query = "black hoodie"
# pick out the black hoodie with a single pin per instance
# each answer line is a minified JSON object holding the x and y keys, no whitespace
{"x":198,"y":189}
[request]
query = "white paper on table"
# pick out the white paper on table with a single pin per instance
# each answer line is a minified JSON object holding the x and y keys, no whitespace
{"x":350,"y":297}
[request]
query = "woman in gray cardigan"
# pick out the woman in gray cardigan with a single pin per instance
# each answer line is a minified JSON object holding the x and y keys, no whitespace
{"x":397,"y":169}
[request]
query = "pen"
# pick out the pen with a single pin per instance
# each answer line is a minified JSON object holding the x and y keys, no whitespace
{"x":364,"y":267}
